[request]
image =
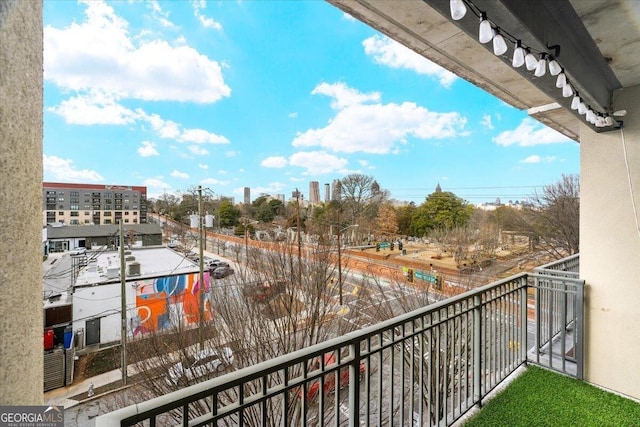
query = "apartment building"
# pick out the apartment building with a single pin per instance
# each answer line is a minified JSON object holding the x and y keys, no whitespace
{"x":86,"y":204}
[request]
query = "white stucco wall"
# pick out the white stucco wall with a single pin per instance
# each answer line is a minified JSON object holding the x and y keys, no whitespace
{"x":610,"y":251}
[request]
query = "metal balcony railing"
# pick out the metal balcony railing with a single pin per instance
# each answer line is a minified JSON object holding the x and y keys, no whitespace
{"x":426,"y":367}
{"x":558,"y":298}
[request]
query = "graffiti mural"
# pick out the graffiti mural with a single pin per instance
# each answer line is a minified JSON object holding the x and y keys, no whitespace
{"x":164,"y":301}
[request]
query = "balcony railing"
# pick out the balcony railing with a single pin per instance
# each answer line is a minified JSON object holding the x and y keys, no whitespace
{"x":426,"y":367}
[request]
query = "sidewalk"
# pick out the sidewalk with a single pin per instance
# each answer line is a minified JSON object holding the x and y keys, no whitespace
{"x":62,"y":396}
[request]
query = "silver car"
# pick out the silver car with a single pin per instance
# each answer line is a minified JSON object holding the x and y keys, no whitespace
{"x":78,"y":251}
{"x":202,"y":363}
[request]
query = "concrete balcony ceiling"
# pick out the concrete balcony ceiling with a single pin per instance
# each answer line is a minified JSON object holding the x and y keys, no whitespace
{"x":595,"y":41}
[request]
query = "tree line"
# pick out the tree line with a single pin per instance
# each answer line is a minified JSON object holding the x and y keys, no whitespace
{"x":550,"y":218}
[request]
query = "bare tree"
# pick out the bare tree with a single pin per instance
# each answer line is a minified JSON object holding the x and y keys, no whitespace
{"x":280,"y":302}
{"x":361,"y":196}
{"x":557,"y":216}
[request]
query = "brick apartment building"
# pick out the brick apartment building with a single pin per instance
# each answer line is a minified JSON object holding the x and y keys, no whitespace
{"x":86,"y":204}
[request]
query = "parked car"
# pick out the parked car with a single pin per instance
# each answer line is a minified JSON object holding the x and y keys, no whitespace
{"x":221,"y":272}
{"x":77,"y":251}
{"x":199,"y":365}
{"x":329,"y":380}
{"x":215,"y":263}
{"x":264,"y":291}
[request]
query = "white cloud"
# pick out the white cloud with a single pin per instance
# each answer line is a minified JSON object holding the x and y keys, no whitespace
{"x":159,"y":15}
{"x":528,"y":134}
{"x":203,"y":166}
{"x":198,"y":151}
{"x":348,"y":17}
{"x":214,"y":181}
{"x":201,"y":136}
{"x":274,"y":162}
{"x":377,"y":128}
{"x":205,"y":21}
{"x":99,"y":54}
{"x":172,"y":130}
{"x":178,"y":174}
{"x":157,"y":185}
{"x":486,"y":121}
{"x":94,"y":108}
{"x":64,"y":170}
{"x":537,"y":159}
{"x":148,"y":149}
{"x":318,"y":162}
{"x":344,"y":96}
{"x":386,"y":51}
{"x":292,"y":115}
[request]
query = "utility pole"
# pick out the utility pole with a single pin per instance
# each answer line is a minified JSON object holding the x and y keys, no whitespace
{"x":201,"y":273}
{"x":299,"y":239}
{"x":123,"y":309}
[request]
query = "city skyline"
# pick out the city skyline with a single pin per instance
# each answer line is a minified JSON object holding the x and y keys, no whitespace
{"x":272,"y":96}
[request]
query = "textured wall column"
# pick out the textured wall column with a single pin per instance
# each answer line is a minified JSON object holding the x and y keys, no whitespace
{"x":610,"y":250}
{"x":21,"y":350}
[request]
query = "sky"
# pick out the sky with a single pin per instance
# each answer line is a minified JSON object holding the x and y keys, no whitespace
{"x":271,"y":95}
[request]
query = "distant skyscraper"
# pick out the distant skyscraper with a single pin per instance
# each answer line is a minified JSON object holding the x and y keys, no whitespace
{"x":247,"y":195}
{"x":327,"y":193}
{"x":337,"y":190}
{"x":314,"y":192}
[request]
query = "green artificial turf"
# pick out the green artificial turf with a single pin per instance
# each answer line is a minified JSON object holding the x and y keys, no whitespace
{"x":539,"y":398}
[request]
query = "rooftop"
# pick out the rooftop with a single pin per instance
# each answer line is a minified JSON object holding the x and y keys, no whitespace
{"x":103,"y":267}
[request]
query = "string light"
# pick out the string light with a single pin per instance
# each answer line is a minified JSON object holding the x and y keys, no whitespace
{"x":485,"y":31}
{"x":524,"y":55}
{"x":575,"y":102}
{"x":541,"y":68}
{"x":499,"y":45}
{"x":458,"y":9}
{"x":518,"y":55}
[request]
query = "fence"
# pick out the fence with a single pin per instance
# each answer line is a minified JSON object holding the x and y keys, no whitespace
{"x":427,"y":367}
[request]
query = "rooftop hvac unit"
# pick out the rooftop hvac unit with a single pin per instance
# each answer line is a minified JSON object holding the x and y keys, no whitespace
{"x":133,"y":269}
{"x":113,"y":272}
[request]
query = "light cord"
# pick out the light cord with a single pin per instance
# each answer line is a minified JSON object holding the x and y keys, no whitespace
{"x":633,"y":200}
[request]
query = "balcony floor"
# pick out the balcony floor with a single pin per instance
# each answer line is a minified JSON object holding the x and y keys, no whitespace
{"x":543,"y":398}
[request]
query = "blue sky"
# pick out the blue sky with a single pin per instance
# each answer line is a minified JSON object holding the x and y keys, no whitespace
{"x":272,"y":95}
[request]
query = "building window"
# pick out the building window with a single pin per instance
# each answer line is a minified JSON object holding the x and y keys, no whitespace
{"x":61,"y":213}
{"x":86,"y":221}
{"x":126,"y":221}
{"x":135,"y":212}
{"x":75,"y":213}
{"x":87,"y":213}
{"x":61,"y":199}
{"x":126,"y":213}
{"x":74,"y":207}
{"x":107,"y":213}
{"x":74,"y":193}
{"x":74,"y":222}
{"x":107,"y":221}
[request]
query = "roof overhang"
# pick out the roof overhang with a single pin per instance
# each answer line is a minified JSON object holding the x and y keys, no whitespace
{"x":565,"y":29}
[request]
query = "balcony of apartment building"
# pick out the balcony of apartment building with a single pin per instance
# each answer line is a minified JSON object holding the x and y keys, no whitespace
{"x":430,"y":366}
{"x":462,"y":342}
